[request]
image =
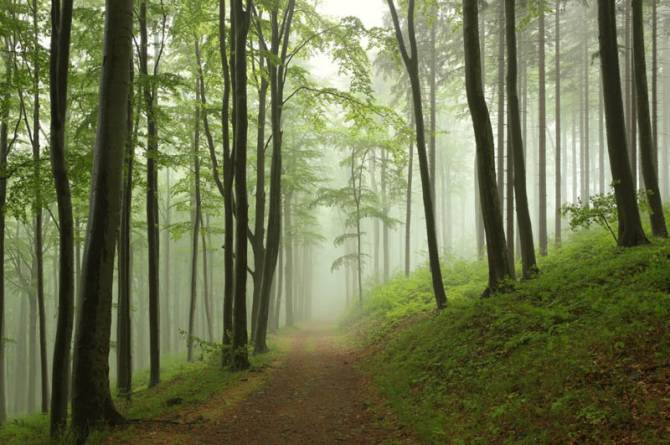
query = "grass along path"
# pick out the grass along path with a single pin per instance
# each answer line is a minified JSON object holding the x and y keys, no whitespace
{"x":311,"y":393}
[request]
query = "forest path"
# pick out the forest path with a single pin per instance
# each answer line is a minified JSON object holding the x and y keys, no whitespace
{"x":313,"y":394}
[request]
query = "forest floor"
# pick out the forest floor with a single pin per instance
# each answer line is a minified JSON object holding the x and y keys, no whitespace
{"x":312,"y":393}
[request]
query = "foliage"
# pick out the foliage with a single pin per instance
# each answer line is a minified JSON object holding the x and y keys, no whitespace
{"x":601,"y":210}
{"x":572,"y":356}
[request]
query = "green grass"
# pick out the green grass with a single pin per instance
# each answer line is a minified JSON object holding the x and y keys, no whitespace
{"x":581,"y":354}
{"x":191,"y":383}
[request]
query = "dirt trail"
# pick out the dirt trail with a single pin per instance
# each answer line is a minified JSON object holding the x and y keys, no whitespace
{"x":313,"y":395}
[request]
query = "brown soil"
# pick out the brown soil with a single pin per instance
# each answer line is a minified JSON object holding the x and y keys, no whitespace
{"x":314,"y":394}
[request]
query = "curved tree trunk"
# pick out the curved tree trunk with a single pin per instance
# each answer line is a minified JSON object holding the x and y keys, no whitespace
{"x":521,"y":197}
{"x":630,"y":226}
{"x":498,"y":258}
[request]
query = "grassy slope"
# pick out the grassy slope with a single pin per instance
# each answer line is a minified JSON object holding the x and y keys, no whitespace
{"x":192,"y":383}
{"x":580,"y":354}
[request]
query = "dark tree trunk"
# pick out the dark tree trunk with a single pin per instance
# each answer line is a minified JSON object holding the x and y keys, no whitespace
{"x":499,"y":266}
{"x":92,"y":402}
{"x":523,"y":215}
{"x":411,"y":61}
{"x":37,"y":217}
{"x":509,"y":202}
{"x":559,"y":148}
{"x":153,"y":231}
{"x":61,"y":25}
{"x":124,"y":375}
{"x":432,"y":141}
{"x":240,"y":25}
{"x":647,"y":150}
{"x":630,"y":226}
{"x":542,"y":160}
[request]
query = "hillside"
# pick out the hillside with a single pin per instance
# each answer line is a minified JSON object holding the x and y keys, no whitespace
{"x":581,"y":354}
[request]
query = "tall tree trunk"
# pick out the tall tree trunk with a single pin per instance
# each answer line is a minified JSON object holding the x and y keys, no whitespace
{"x":152,"y":203}
{"x":288,"y":266}
{"x":37,"y":215}
{"x":501,"y":104}
{"x":124,"y":374}
{"x":375,"y":222}
{"x":258,"y":240}
{"x":411,"y":60}
{"x":4,"y":152}
{"x":432,"y":141}
{"x":647,"y":150}
{"x":167,"y":327}
{"x":498,"y":259}
{"x":408,"y":210}
{"x":279,"y":47}
{"x":542,"y":160}
{"x":206,"y":281}
{"x":654,"y":79}
{"x":195,"y":218}
{"x":523,"y":215}
{"x":240,"y":25}
{"x":385,"y":228}
{"x":92,"y":402}
{"x":61,"y":25}
{"x":559,"y":148}
{"x":601,"y":140}
{"x":509,"y":202}
{"x":630,"y":226}
{"x":586,"y":140}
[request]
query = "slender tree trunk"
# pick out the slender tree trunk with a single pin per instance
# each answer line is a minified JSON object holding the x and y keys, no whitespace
{"x":385,"y":228}
{"x":601,"y":140}
{"x":240,"y":17}
{"x":411,"y":60}
{"x":375,"y":223}
{"x":166,"y":331}
{"x":498,"y":259}
{"x":408,"y":210}
{"x":432,"y":144}
{"x":4,"y":152}
{"x":124,"y":374}
{"x":647,"y":150}
{"x":195,"y":218}
{"x":206,"y":281}
{"x":501,"y":104}
{"x":654,"y":80}
{"x":152,"y":204}
{"x":542,"y":161}
{"x":288,"y":267}
{"x":559,"y":148}
{"x":509,"y":202}
{"x":630,"y":226}
{"x":523,"y":215}
{"x":586,"y":148}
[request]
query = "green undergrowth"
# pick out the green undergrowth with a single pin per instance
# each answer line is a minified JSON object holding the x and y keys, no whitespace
{"x":580,"y":354}
{"x":183,"y":384}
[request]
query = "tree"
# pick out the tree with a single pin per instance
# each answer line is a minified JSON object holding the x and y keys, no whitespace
{"x":542,"y":161}
{"x":61,"y":26}
{"x":498,"y":257}
{"x":558,"y":172}
{"x":240,"y":17}
{"x":630,"y":225}
{"x":647,"y":141}
{"x":410,"y":58}
{"x":92,"y":402}
{"x":149,"y":92}
{"x":523,"y":216}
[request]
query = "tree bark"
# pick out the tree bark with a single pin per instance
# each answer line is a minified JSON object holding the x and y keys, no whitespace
{"x":408,"y":209}
{"x":124,"y":374}
{"x":559,"y":148}
{"x":647,"y":144}
{"x":240,"y":26}
{"x":153,"y":231}
{"x":92,"y":402}
{"x":529,"y":265}
{"x":195,"y":218}
{"x":630,"y":226}
{"x":498,"y":258}
{"x":542,"y":159}
{"x":411,"y":61}
{"x":501,"y":105}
